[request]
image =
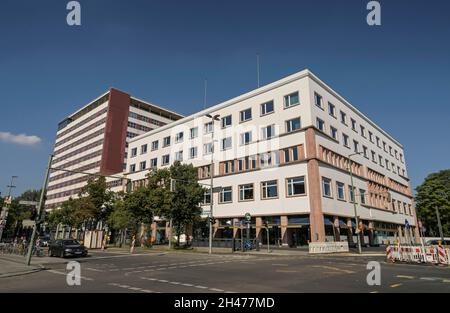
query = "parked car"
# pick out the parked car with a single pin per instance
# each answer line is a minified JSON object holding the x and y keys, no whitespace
{"x":66,"y":247}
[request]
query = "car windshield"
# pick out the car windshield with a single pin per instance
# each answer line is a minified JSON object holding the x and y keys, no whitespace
{"x":70,"y":242}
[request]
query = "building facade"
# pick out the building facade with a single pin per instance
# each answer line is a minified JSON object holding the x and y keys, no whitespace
{"x":94,"y":140}
{"x":284,"y":153}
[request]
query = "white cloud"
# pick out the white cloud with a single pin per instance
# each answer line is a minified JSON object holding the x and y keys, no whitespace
{"x":20,"y":139}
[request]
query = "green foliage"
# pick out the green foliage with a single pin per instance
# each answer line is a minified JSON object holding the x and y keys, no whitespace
{"x":18,"y":212}
{"x":121,"y":217}
{"x":434,"y":193}
{"x":97,"y":197}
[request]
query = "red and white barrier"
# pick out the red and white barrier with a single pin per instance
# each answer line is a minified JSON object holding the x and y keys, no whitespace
{"x":417,"y":254}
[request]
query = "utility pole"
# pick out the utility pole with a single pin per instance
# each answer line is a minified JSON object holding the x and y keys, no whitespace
{"x":4,"y":215}
{"x":211,"y":173}
{"x":40,"y":208}
{"x":357,"y":231}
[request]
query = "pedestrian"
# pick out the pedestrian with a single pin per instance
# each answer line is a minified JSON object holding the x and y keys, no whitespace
{"x":132,"y":244}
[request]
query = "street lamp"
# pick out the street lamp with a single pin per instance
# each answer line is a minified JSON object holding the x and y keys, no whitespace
{"x":211,"y":173}
{"x":354,"y":201}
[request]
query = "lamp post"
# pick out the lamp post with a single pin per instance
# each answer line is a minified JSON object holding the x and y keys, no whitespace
{"x":357,"y":231}
{"x":211,"y":173}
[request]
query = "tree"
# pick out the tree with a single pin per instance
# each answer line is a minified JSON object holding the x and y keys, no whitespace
{"x":434,"y":193}
{"x":98,"y":198}
{"x":121,"y":218}
{"x":18,"y":212}
{"x":187,"y":196}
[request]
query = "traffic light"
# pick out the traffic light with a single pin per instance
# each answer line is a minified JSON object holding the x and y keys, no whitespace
{"x":212,"y":220}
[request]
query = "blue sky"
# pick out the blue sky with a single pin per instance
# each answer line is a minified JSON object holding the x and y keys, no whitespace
{"x":161,"y":51}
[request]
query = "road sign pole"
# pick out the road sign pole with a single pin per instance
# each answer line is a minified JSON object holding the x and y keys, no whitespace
{"x":268,"y":241}
{"x":40,"y":208}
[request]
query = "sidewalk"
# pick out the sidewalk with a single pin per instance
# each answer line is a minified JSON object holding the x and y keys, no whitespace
{"x":14,"y":265}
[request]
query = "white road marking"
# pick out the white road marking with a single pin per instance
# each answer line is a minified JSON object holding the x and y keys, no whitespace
{"x":404,"y":276}
{"x":65,"y":274}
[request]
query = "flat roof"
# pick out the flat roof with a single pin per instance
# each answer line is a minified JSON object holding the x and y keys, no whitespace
{"x":283,"y":81}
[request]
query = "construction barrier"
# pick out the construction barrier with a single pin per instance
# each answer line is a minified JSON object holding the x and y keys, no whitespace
{"x":328,"y":247}
{"x":418,"y":254}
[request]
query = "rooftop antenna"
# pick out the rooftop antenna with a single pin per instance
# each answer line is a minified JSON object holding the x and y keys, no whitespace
{"x":257,"y":68}
{"x":204,"y":99}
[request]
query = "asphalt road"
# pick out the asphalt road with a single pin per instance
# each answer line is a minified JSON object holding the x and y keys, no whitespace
{"x":203,"y":273}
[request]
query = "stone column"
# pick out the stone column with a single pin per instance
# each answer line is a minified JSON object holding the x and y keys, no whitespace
{"x":337,"y":231}
{"x":284,"y":223}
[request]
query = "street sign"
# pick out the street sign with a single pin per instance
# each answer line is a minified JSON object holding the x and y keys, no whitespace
{"x":30,"y":203}
{"x":248,"y":217}
{"x":217,"y":189}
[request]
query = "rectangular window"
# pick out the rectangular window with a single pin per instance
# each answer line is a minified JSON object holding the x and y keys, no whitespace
{"x":363,"y":131}
{"x":286,"y":155}
{"x":294,"y":154}
{"x":340,"y":191}
{"x":331,"y":109}
{"x":345,"y":140}
{"x":226,"y":121}
{"x":246,"y":138}
{"x":295,"y":186}
{"x":194,"y":132}
{"x":373,"y":156}
{"x":371,"y":137}
{"x":355,"y":146}
{"x":225,"y":143}
{"x":165,"y":159}
{"x":333,"y":132}
{"x":380,"y":160}
{"x":179,"y":137}
{"x":133,"y":152}
{"x":132,"y":168}
{"x":154,"y":163}
{"x":353,"y":124}
{"x":143,"y":149}
{"x":166,"y":141}
{"x":208,"y":128}
{"x":365,"y":152}
{"x":193,"y":152}
{"x":378,"y":142}
{"x":226,"y":195}
{"x":267,"y":107}
{"x":207,"y":148}
{"x":293,"y":125}
{"x":384,"y":146}
{"x":228,"y":167}
{"x":387,"y":164}
{"x":291,"y":100}
{"x":362,"y":196}
{"x":269,"y":189}
{"x":245,"y":115}
{"x":320,"y":124}
{"x":390,"y":151}
{"x":318,"y":99}
{"x":179,"y":156}
{"x":343,"y":118}
{"x":268,"y":132}
{"x":207,"y":197}
{"x":246,"y":192}
{"x":155,"y":145}
{"x":352,"y":193}
{"x":326,"y":186}
{"x":142,"y":165}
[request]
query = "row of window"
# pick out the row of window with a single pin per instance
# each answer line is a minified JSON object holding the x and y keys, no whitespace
{"x":327,"y":191}
{"x":80,"y":169}
{"x":81,"y":132}
{"x":80,"y":141}
{"x":295,"y":186}
{"x":225,"y":143}
{"x":318,"y":99}
{"x":79,"y":150}
{"x":396,"y":169}
{"x":146,"y":119}
{"x":82,"y":123}
{"x":139,"y":127}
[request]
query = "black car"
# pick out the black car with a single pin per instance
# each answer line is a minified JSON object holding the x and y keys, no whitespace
{"x":66,"y":247}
